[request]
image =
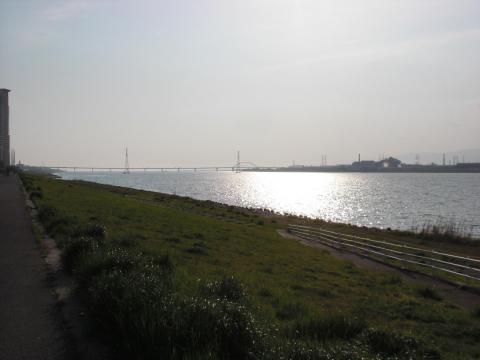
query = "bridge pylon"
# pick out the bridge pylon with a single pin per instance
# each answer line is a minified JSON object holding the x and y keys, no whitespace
{"x":127,"y":166}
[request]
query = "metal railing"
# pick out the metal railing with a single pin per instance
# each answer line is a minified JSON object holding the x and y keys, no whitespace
{"x":454,"y":264}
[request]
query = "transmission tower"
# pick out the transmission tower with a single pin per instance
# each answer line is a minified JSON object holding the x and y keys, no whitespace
{"x":237,"y":166}
{"x":127,"y":166}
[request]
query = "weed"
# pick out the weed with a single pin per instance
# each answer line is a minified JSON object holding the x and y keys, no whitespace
{"x":291,"y":311}
{"x":265,"y":293}
{"x":197,"y":235}
{"x":267,"y":269}
{"x":446,"y":230}
{"x":429,"y":293}
{"x":393,"y":279}
{"x":336,"y":326}
{"x":128,"y":241}
{"x":55,"y":222}
{"x":96,"y":231}
{"x":350,"y":268}
{"x":164,"y":262}
{"x":390,"y":343}
{"x":197,"y":250}
{"x":200,"y":244}
{"x":476,"y":312}
{"x":228,"y":288}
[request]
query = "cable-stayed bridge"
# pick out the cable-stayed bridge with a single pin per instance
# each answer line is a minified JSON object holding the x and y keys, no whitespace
{"x":239,"y":166}
{"x":234,"y":168}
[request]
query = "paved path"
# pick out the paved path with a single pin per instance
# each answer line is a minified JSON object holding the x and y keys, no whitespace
{"x":30,"y":326}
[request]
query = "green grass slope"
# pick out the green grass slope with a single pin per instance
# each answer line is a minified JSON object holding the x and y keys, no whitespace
{"x":196,"y":279}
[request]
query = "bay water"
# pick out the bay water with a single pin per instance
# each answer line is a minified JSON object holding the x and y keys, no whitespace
{"x":403,"y":201}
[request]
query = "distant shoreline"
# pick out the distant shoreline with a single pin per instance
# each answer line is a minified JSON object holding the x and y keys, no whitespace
{"x":440,"y":170}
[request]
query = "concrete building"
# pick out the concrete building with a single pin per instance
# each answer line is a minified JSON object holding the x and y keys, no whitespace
{"x":4,"y":129}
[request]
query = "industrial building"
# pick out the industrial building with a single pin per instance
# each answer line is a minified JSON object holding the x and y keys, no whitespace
{"x":4,"y":129}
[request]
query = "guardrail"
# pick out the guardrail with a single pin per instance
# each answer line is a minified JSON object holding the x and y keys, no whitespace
{"x":454,"y":264}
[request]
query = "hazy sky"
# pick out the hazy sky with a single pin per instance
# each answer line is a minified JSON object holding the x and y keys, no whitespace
{"x":191,"y":82}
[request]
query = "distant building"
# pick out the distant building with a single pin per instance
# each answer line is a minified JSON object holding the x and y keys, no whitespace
{"x":4,"y":129}
{"x":365,"y":165}
{"x":468,"y":166}
{"x":391,"y":163}
{"x":370,"y":165}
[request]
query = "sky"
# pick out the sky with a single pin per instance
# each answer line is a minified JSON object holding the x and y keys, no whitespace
{"x":190,"y":82}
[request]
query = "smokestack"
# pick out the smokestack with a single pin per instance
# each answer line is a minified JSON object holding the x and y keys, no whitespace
{"x":359,"y":157}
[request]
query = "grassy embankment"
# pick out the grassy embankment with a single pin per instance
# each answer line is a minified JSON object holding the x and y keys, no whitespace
{"x":195,"y":279}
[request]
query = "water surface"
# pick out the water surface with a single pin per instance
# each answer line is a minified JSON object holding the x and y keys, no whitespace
{"x":400,"y":201}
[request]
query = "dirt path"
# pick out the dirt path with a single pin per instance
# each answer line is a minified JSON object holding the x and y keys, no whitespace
{"x":30,"y":326}
{"x":451,"y":293}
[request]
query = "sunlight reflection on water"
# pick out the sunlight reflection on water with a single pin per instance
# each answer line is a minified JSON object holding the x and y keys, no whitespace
{"x":400,"y":201}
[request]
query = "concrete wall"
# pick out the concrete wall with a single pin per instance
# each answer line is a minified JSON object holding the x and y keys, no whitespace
{"x":4,"y":128}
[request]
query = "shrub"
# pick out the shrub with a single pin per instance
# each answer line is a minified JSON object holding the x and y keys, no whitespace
{"x":75,"y":247}
{"x":221,"y":328}
{"x":27,"y":183}
{"x":136,"y":310}
{"x":36,"y":194}
{"x":148,"y":319}
{"x":47,"y":213}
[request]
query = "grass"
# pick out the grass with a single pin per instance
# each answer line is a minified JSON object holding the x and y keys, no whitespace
{"x":337,"y":326}
{"x":168,"y":275}
{"x":448,"y":231}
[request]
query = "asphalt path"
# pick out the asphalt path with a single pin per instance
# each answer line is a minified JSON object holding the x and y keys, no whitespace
{"x":30,"y":324}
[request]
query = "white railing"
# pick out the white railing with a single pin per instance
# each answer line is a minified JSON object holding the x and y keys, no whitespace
{"x":450,"y":263}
